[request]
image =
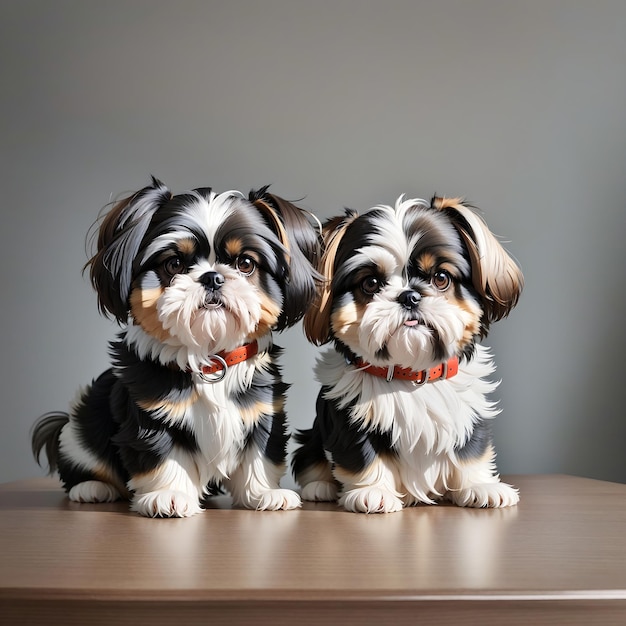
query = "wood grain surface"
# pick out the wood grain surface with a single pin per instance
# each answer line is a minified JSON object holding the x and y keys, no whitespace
{"x":559,"y":557}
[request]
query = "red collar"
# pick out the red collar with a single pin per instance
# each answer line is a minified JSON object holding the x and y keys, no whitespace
{"x":220,"y":362}
{"x":442,"y":371}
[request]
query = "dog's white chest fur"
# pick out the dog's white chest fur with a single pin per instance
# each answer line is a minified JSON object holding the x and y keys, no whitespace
{"x":216,"y":423}
{"x":213,"y":418}
{"x":426,"y":424}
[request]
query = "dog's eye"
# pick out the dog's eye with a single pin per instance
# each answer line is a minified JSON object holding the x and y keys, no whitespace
{"x":245,"y":264}
{"x":174,"y":265}
{"x":371,"y":285}
{"x":441,"y":280}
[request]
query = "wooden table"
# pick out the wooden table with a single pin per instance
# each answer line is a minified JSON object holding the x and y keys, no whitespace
{"x":559,"y":557}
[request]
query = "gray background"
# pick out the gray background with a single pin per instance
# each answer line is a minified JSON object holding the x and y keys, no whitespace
{"x":518,"y":106}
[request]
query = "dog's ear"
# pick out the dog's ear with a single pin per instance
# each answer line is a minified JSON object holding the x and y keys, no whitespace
{"x":119,"y":238}
{"x":301,"y":240}
{"x":496,"y":276}
{"x":317,"y":317}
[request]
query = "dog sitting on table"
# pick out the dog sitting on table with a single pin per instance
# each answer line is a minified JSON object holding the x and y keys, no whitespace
{"x":194,"y":400}
{"x":403,"y":412}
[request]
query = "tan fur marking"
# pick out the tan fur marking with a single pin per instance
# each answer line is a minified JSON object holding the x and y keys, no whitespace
{"x":251,"y":414}
{"x":234,"y":247}
{"x":316,"y":321}
{"x":173,"y":409}
{"x":472,"y":327}
{"x":427,"y":262}
{"x":270,"y":312}
{"x":143,"y":307}
{"x":496,"y":276}
{"x":446,"y":203}
{"x":186,"y":246}
{"x":345,"y":322}
{"x":278,"y":225}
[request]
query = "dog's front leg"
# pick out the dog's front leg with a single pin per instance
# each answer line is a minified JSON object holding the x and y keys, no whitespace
{"x":372,"y":489}
{"x":475,"y":483}
{"x":172,"y":489}
{"x":255,"y":483}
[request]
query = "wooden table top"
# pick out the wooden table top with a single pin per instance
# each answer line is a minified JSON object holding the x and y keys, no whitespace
{"x":558,"y":557}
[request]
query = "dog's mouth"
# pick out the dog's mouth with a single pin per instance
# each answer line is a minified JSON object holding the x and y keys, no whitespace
{"x":413,"y":321}
{"x":212,"y":301}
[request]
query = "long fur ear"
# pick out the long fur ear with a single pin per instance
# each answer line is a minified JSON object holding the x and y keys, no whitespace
{"x":317,"y":318}
{"x":496,"y":276}
{"x":302,"y":243}
{"x":119,"y":238}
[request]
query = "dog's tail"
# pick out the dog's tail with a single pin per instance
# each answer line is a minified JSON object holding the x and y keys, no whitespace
{"x":46,"y":435}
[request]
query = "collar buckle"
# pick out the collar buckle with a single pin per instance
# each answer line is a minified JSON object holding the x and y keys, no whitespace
{"x":216,"y":372}
{"x":216,"y":365}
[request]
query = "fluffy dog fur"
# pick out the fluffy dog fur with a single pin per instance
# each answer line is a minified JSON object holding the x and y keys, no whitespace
{"x":410,"y":287}
{"x":192,"y":277}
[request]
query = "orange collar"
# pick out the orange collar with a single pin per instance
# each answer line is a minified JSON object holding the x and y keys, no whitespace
{"x":443,"y":371}
{"x":220,"y":362}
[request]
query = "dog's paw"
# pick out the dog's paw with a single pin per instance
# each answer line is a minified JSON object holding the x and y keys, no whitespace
{"x":272,"y":500}
{"x":165,"y":503}
{"x":486,"y":495}
{"x":93,"y":491}
{"x":319,"y":491}
{"x":371,"y":500}
{"x":276,"y":499}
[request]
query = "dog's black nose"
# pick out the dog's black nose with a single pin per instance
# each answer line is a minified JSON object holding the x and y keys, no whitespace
{"x":212,"y":280}
{"x":409,"y":299}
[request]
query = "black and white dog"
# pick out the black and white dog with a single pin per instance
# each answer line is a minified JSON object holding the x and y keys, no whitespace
{"x":194,"y":399}
{"x":402,"y":416}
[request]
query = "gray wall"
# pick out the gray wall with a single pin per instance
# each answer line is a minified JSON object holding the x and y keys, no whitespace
{"x":518,"y":106}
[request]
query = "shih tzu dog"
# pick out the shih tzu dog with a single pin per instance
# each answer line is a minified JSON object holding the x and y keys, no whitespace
{"x":403,"y":413}
{"x":194,"y":400}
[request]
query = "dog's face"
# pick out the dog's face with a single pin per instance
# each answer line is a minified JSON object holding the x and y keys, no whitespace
{"x":412,"y":285}
{"x":203,"y":270}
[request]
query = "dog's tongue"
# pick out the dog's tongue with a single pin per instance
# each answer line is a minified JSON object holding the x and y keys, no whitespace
{"x":410,"y":323}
